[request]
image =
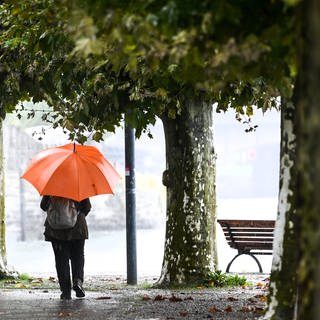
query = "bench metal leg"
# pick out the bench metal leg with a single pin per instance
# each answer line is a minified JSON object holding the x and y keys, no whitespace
{"x":249,"y":254}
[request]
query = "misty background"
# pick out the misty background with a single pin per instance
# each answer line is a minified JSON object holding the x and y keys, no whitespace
{"x":246,"y":183}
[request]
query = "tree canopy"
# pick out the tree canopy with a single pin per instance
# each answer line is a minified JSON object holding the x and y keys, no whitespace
{"x":93,"y":61}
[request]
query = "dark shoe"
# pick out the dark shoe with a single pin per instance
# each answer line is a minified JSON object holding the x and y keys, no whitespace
{"x":77,"y":287}
{"x":65,"y":296}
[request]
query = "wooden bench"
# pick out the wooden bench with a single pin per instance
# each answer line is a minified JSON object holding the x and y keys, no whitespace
{"x":251,"y":237}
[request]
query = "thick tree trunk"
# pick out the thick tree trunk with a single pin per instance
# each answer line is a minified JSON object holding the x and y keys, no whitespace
{"x":190,"y":246}
{"x":295,"y":285}
{"x":283,"y":282}
{"x":308,"y":157}
{"x":3,"y":256}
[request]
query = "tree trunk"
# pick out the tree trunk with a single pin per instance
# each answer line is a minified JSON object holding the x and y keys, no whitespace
{"x":190,"y":245}
{"x":295,"y":284}
{"x":3,"y":256}
{"x":308,"y":163}
{"x":283,"y":282}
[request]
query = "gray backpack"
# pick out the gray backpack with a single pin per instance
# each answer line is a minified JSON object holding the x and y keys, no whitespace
{"x":62,"y":213}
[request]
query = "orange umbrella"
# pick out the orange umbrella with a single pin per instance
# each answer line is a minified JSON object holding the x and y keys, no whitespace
{"x":71,"y":171}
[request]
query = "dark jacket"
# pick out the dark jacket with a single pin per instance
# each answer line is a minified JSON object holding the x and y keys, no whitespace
{"x":79,"y":231}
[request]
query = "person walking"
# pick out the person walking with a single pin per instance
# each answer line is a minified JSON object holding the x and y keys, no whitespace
{"x":68,"y":246}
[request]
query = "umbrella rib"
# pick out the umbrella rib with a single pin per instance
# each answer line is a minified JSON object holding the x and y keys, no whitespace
{"x":76,"y":165}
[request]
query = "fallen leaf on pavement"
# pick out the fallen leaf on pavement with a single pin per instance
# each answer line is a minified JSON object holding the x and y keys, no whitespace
{"x":21,"y":286}
{"x":214,"y":309}
{"x":247,"y":309}
{"x":183,"y":313}
{"x":261,"y":285}
{"x":174,"y":298}
{"x":261,"y":297}
{"x":228,"y":309}
{"x":232,"y":299}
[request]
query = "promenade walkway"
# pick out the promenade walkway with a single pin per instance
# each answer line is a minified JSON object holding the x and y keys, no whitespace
{"x":113,"y":299}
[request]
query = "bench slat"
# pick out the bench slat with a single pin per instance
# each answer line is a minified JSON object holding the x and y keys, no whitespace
{"x":248,"y":229}
{"x":248,"y":223}
{"x":251,"y":245}
{"x":249,"y":234}
{"x":249,"y":239}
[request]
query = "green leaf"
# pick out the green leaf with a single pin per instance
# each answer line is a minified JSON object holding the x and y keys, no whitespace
{"x":98,"y":136}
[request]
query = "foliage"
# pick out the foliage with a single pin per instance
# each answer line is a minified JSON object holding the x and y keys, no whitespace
{"x":5,"y":275}
{"x":93,"y":61}
{"x":28,"y":114}
{"x":24,"y":281}
{"x":220,"y":279}
{"x":24,"y":276}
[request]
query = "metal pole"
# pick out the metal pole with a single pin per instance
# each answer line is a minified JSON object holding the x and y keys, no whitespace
{"x":130,"y":206}
{"x":22,"y":208}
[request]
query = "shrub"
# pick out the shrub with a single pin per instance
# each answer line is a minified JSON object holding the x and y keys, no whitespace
{"x":220,"y":279}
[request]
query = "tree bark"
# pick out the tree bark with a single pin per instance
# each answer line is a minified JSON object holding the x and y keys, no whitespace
{"x":308,"y":163}
{"x":283,"y":283}
{"x":295,"y":284}
{"x":3,"y":255}
{"x":190,"y":246}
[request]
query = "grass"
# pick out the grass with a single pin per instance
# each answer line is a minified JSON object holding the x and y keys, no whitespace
{"x":145,"y":285}
{"x":25,"y":281}
{"x":220,"y":279}
{"x":213,"y":280}
{"x":24,"y":277}
{"x":216,"y":279}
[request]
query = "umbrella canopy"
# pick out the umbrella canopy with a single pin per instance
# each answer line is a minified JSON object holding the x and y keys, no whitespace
{"x":72,"y":171}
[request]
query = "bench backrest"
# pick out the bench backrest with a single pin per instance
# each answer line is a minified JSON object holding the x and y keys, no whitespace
{"x":247,"y":235}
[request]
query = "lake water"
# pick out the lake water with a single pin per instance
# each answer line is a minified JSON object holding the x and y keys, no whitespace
{"x":105,"y":251}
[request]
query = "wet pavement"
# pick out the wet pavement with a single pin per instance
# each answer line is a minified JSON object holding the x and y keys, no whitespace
{"x":37,"y":304}
{"x":105,"y":300}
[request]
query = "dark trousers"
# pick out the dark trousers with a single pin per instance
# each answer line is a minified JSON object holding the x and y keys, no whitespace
{"x":65,"y":251}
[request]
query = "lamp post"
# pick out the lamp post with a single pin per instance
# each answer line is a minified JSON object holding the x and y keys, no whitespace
{"x":130,"y":206}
